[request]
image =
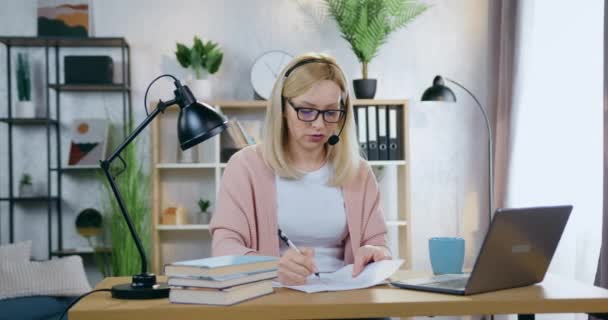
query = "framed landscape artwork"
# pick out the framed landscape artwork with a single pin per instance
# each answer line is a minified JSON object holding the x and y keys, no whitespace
{"x":63,"y":18}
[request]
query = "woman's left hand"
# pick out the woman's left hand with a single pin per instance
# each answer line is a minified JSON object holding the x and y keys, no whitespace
{"x":367,"y":254}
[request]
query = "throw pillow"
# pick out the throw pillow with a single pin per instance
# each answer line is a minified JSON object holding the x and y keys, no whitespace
{"x":19,"y":252}
{"x":57,"y":277}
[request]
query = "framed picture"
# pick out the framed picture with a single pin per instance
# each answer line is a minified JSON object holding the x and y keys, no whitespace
{"x":88,"y":142}
{"x":63,"y":18}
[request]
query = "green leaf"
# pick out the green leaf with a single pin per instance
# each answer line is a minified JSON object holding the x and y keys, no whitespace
{"x":214,"y":60}
{"x":183,"y":55}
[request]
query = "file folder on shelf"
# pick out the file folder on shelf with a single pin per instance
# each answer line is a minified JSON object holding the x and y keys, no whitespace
{"x":382,"y":133}
{"x":394,"y":141}
{"x":362,"y":129}
{"x":372,"y":126}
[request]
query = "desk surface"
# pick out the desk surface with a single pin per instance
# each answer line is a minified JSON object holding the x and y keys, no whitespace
{"x":554,"y":295}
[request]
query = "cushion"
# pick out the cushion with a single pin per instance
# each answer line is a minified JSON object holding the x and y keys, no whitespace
{"x":34,"y":308}
{"x":57,"y":277}
{"x":19,"y":252}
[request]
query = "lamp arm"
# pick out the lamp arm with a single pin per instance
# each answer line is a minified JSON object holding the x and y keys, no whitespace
{"x":490,"y":148}
{"x":105,"y":165}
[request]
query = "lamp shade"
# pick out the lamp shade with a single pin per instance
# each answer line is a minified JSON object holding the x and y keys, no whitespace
{"x":198,"y":122}
{"x":438,"y":92}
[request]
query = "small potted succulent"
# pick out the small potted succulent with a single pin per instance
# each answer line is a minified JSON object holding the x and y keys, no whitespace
{"x":203,"y":58}
{"x":26,"y":188}
{"x":204,"y":215}
{"x":24,"y":106}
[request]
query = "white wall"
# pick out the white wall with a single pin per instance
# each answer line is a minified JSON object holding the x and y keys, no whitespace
{"x":448,"y":152}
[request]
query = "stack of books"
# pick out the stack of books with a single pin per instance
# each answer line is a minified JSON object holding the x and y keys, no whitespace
{"x":243,"y":133}
{"x":224,"y":280}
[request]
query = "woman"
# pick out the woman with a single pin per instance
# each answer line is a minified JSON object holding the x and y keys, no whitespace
{"x":306,"y":178}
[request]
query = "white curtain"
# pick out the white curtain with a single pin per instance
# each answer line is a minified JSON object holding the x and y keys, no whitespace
{"x":557,"y":125}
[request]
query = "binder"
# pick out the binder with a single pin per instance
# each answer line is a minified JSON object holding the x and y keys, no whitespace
{"x":362,"y":129}
{"x":393,"y":137}
{"x":400,"y":134}
{"x":382,"y":133}
{"x":372,"y":125}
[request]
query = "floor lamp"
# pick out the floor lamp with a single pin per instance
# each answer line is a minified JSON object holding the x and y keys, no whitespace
{"x":440,"y":92}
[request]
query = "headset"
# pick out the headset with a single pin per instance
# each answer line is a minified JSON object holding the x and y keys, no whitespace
{"x":333,"y":139}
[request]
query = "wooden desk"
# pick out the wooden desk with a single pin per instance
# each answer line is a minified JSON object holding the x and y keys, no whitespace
{"x":554,"y":295}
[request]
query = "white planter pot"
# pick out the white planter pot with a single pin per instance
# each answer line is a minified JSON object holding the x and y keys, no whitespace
{"x":26,"y":190}
{"x":25,"y":109}
{"x":203,"y":217}
{"x":201,"y":88}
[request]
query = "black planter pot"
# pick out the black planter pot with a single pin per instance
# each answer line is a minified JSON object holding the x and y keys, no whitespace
{"x":365,"y":88}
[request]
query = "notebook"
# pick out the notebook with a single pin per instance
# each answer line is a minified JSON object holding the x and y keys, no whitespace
{"x":222,"y":265}
{"x":220,"y":282}
{"x":223,"y":297}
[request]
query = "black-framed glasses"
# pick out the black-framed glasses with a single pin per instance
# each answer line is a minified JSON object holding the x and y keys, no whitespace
{"x":311,"y":114}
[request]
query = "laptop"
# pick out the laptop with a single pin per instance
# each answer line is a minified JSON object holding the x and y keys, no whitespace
{"x":516,"y":252}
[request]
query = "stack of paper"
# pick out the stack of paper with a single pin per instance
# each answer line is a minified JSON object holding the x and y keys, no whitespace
{"x":374,"y":274}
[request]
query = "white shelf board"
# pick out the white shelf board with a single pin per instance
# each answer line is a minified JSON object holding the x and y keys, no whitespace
{"x":371,"y":163}
{"x":186,"y":165}
{"x":182,"y":227}
{"x":399,"y":223}
{"x":387,"y":163}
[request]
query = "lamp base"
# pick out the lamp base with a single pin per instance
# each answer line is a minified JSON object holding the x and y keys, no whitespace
{"x":126,"y":291}
{"x":143,"y":286}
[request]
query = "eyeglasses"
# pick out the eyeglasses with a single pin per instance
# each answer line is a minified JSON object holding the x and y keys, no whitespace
{"x":311,"y":114}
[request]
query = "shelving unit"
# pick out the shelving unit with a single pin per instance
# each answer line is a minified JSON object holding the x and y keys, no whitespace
{"x":183,"y":183}
{"x":52,"y":122}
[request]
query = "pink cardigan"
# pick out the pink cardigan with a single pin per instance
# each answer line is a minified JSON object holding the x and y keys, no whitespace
{"x":245,"y":220}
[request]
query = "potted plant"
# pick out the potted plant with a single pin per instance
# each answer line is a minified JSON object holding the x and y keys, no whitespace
{"x":24,"y":107}
{"x":133,"y":183}
{"x":26,"y":188}
{"x":366,"y":25}
{"x":203,"y":215}
{"x":203,"y":58}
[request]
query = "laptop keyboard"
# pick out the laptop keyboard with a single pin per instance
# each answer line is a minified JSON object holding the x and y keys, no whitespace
{"x":450,"y":284}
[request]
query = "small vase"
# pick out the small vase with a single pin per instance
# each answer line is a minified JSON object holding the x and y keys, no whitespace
{"x":203,"y":217}
{"x":26,"y":190}
{"x":365,"y":88}
{"x":25,"y":109}
{"x":187,"y":156}
{"x":201,"y":88}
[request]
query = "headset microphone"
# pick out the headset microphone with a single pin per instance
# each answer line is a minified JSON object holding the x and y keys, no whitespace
{"x":334,"y":139}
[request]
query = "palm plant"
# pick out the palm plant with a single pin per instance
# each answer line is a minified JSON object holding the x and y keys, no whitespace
{"x":366,"y":24}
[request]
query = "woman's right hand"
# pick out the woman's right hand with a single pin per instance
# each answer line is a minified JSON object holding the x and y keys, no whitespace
{"x":294,"y":267}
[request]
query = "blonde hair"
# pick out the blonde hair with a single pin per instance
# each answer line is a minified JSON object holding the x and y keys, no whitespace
{"x":344,"y":156}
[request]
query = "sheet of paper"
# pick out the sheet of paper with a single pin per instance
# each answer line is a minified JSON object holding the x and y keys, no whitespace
{"x":374,"y":273}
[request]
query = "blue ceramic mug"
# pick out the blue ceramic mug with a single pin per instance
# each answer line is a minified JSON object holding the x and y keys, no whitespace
{"x":447,"y":254}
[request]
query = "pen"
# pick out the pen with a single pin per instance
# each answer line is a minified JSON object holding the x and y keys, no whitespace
{"x":288,"y":242}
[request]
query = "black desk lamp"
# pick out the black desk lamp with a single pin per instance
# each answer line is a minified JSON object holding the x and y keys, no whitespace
{"x":439,"y":92}
{"x":197,"y":122}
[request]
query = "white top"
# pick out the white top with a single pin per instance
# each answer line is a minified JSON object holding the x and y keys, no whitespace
{"x":312,"y":214}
